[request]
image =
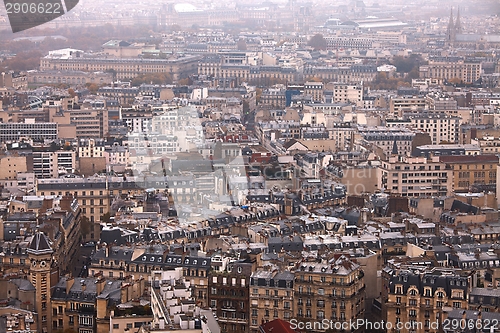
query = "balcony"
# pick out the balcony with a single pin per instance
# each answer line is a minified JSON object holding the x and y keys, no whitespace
{"x":232,"y":320}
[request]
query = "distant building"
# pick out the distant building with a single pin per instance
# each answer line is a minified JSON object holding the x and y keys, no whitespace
{"x":14,"y":132}
{"x":77,"y":61}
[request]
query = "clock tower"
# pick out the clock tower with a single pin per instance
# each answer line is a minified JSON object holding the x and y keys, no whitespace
{"x":40,"y":257}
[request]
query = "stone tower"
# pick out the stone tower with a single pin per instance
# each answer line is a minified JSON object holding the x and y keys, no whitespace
{"x":450,"y":32}
{"x":40,"y":257}
{"x":458,"y":24}
{"x":454,"y":27}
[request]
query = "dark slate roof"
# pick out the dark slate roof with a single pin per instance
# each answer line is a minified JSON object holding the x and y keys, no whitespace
{"x":294,"y":243}
{"x":195,"y":262}
{"x":39,"y":244}
{"x":447,"y":282}
{"x":440,"y":252}
{"x":115,"y":253}
{"x":463,"y":207}
{"x":486,"y":317}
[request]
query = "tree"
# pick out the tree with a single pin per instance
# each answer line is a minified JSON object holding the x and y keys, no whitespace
{"x":152,"y":78}
{"x":314,"y":79}
{"x":258,"y":95}
{"x":22,"y":61}
{"x":92,"y":87}
{"x":106,"y":218}
{"x":318,"y":42}
{"x":175,"y":28}
{"x":185,"y":82}
{"x":71,"y":92}
{"x":455,"y":80}
{"x":407,"y":64}
{"x":113,"y":72}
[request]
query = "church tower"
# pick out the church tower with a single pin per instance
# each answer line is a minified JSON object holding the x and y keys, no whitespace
{"x":458,"y":24}
{"x":40,"y":257}
{"x":450,"y":33}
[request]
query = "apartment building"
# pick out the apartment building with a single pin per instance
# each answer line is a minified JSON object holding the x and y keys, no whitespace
{"x":117,"y":157}
{"x":89,"y":123}
{"x":484,"y":299}
{"x":346,"y":93}
{"x":469,"y":170}
{"x":52,"y":164}
{"x":271,"y":297}
{"x":123,"y":94}
{"x":14,"y":80}
{"x":441,"y":102}
{"x":415,"y":299}
{"x":273,"y":97}
{"x":85,"y":304}
{"x":138,"y":121}
{"x":488,"y":144}
{"x":210,"y":65}
{"x":229,"y":295}
{"x":91,"y":148}
{"x":333,"y":290}
{"x":94,"y":195}
{"x":315,"y":90}
{"x":401,"y":104}
{"x":387,"y":141}
{"x":141,"y":260}
{"x":415,"y":176}
{"x":442,"y":129}
{"x":174,"y":307}
{"x":462,"y":70}
{"x":12,"y":164}
{"x":342,"y":134}
{"x":447,"y":150}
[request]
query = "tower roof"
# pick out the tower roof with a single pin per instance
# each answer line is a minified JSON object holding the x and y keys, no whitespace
{"x":458,"y":24}
{"x":451,"y":24}
{"x":395,"y":148}
{"x":39,"y":244}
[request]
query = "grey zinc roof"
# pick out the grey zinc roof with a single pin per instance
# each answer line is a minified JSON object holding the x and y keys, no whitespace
{"x":23,"y":284}
{"x":485,"y":292}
